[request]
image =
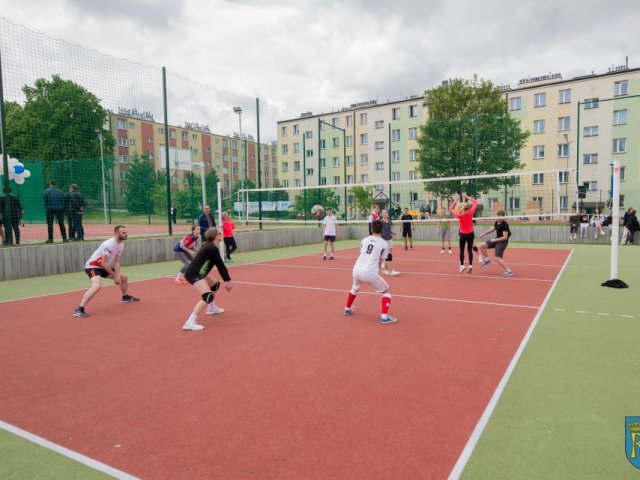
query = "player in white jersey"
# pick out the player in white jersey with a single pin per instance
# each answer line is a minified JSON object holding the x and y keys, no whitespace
{"x":373,"y":250}
{"x":105,"y":263}
{"x":330,"y":226}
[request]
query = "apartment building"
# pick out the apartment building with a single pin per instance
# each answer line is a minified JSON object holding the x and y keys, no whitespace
{"x":579,"y":124}
{"x":192,"y":147}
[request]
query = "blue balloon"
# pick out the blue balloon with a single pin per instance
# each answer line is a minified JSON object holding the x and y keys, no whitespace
{"x":19,"y":169}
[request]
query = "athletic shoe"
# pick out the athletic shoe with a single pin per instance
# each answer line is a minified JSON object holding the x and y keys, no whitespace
{"x":475,"y":248}
{"x":461,"y":268}
{"x":79,"y":312}
{"x":331,"y":257}
{"x":394,"y":273}
{"x":129,"y":299}
{"x":470,"y":269}
{"x":324,"y":257}
{"x":215,"y":310}
{"x":348,"y":311}
{"x":485,"y":263}
{"x":508,"y":273}
{"x":192,"y":327}
{"x":386,"y":272}
{"x":182,"y":281}
{"x":442,"y":251}
{"x":450,"y":252}
{"x":389,"y":319}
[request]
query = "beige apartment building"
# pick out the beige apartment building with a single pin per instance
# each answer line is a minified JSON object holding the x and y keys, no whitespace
{"x":578,"y":126}
{"x":192,"y":147}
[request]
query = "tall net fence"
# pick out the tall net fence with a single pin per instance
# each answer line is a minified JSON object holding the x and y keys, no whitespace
{"x":96,"y":125}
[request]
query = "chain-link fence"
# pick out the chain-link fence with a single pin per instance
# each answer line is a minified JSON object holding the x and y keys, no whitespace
{"x":136,"y":145}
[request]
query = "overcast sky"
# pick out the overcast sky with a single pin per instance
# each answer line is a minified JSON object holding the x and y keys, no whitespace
{"x":312,"y":55}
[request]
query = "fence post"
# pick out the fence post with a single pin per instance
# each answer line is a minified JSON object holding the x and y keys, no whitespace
{"x":5,"y":164}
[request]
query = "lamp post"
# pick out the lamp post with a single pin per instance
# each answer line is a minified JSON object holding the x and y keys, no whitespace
{"x":238,"y":111}
{"x":104,"y":187}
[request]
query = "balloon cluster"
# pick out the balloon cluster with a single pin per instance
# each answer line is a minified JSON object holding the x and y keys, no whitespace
{"x":17,"y":172}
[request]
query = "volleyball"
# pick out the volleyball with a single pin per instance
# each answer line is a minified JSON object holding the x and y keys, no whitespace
{"x":317,"y":211}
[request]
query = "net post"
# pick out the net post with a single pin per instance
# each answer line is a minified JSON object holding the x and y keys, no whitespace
{"x":166,"y":146}
{"x":615,"y":218}
{"x":219,"y":195}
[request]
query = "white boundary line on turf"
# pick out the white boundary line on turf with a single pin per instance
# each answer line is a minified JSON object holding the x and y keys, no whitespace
{"x":464,"y":457}
{"x":457,"y":275}
{"x":395,"y":295}
{"x":90,"y":462}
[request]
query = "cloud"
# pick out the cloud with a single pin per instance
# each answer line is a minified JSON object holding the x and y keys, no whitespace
{"x":156,"y":14}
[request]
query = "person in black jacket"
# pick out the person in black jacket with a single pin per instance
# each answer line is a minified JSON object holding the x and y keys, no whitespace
{"x":75,"y":205}
{"x":54,"y":208}
{"x":16,"y":215}
{"x":632,"y":225}
{"x":197,"y":274}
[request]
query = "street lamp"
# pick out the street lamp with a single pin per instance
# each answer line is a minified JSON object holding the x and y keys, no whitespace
{"x":238,"y":111}
{"x":104,"y":187}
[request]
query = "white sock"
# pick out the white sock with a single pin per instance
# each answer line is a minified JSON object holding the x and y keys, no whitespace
{"x":191,"y":320}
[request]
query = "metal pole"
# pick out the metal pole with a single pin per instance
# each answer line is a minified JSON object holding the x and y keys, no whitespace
{"x":304,"y":174}
{"x":578,"y":154}
{"x":8,"y":220}
{"x":259,"y":167}
{"x":344,"y":168}
{"x":389,"y":160}
{"x":615,"y":219}
{"x":219,"y":192}
{"x":104,"y":186}
{"x":166,"y":146}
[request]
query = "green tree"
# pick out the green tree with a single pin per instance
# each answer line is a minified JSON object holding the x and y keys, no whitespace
{"x":363,"y":198}
{"x":140,"y":180}
{"x":469,"y":132}
{"x":305,"y":201}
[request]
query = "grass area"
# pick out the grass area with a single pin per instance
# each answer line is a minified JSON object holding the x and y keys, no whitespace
{"x":562,"y":413}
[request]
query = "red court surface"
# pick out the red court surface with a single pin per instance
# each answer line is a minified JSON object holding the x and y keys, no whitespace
{"x":281,"y":385}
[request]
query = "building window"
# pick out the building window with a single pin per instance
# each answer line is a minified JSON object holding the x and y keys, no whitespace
{"x":379,"y":124}
{"x":349,"y":141}
{"x":515,"y":103}
{"x":538,"y":152}
{"x":619,"y":117}
{"x":336,"y":142}
{"x":283,"y":131}
{"x":336,"y":180}
{"x":349,"y":179}
{"x":563,"y":150}
{"x":123,"y":159}
{"x":592,"y":103}
{"x":364,"y":138}
{"x":395,"y":176}
{"x":516,"y":154}
{"x":349,"y":120}
{"x":132,"y":141}
{"x":172,"y":134}
{"x":285,"y":183}
{"x":538,"y":126}
{"x":564,"y":202}
{"x":622,"y":170}
{"x":565,"y":96}
{"x":395,"y":156}
{"x":308,"y":134}
{"x":122,"y":142}
{"x":151,"y":156}
{"x":323,"y":163}
{"x":309,"y":171}
{"x":620,"y":88}
{"x":296,"y":129}
{"x":593,"y":185}
{"x":538,"y":200}
{"x":590,"y":131}
{"x":122,"y":124}
{"x":364,"y":159}
{"x":309,"y":153}
{"x":323,"y":180}
{"x":363,"y":119}
{"x":538,"y":178}
{"x":335,"y":121}
{"x":296,"y":148}
{"x":379,"y":165}
{"x":132,"y":125}
{"x":285,"y":149}
{"x":563,"y":177}
{"x":413,"y":155}
{"x":514,"y":203}
{"x":379,"y":145}
{"x":515,"y":180}
{"x":395,"y":197}
{"x":296,"y":182}
{"x":349,"y":160}
{"x":564,"y":123}
{"x":395,"y":113}
{"x":336,"y":162}
{"x":323,"y":144}
{"x":413,"y":110}
{"x":395,"y":134}
{"x":285,"y":167}
{"x":150,"y":140}
{"x":590,"y":158}
{"x":619,"y":145}
{"x":539,"y":99}
{"x":364,"y":178}
{"x":413,"y":132}
{"x":379,"y":187}
{"x":185,"y":136}
{"x":413,"y":175}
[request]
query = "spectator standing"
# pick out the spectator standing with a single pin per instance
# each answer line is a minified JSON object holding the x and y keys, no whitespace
{"x":75,"y":210}
{"x":574,"y":221}
{"x":444,"y":228}
{"x":206,"y":221}
{"x":625,"y":231}
{"x":227,"y":235}
{"x":375,"y":215}
{"x":174,"y":214}
{"x":54,"y":208}
{"x":329,"y":232}
{"x":407,"y":229}
{"x":632,"y":225}
{"x":16,"y":215}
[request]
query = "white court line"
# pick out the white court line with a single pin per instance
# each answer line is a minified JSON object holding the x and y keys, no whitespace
{"x":77,"y":290}
{"x":395,"y":295}
{"x":486,"y":415}
{"x":452,"y":257}
{"x":90,"y":462}
{"x":457,"y":275}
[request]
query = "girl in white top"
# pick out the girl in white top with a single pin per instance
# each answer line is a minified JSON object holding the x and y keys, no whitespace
{"x":373,"y":250}
{"x":596,"y":221}
{"x":330,"y":226}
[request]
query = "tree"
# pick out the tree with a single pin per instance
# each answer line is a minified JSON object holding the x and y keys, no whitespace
{"x":140,"y":180}
{"x":59,"y":121}
{"x":305,"y":201}
{"x":469,"y":132}
{"x":363,"y":198}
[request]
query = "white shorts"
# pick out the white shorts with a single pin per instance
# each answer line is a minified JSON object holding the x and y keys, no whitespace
{"x":374,"y":280}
